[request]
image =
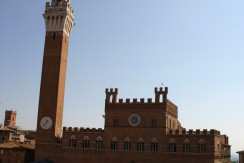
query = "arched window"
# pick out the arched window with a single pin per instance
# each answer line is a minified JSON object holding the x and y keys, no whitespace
{"x":140,"y":145}
{"x":48,"y":20}
{"x":201,"y":146}
{"x":186,"y":146}
{"x":127,"y":144}
{"x":154,"y":145}
{"x":161,"y":98}
{"x":172,"y":145}
{"x":111,"y":98}
{"x":114,"y":144}
{"x":85,"y":143}
{"x":72,"y":141}
{"x":99,"y":143}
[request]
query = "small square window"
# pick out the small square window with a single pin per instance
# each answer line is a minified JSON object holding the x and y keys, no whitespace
{"x":116,"y":122}
{"x":154,"y":122}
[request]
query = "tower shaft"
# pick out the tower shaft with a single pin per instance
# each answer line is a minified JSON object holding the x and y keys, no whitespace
{"x":59,"y":20}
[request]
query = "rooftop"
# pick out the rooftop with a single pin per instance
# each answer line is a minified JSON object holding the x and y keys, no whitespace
{"x":12,"y":145}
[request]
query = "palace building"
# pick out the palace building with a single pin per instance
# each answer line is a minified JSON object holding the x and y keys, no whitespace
{"x":135,"y":130}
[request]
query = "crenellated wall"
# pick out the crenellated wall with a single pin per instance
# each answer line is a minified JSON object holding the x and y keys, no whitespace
{"x":192,"y":132}
{"x":82,"y":129}
{"x":160,"y":97}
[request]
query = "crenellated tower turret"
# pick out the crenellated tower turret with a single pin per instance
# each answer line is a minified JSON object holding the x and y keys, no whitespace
{"x":59,"y":16}
{"x":111,"y":94}
{"x":160,"y":94}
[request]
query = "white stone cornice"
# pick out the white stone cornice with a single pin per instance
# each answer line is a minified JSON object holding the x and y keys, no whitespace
{"x":59,"y":16}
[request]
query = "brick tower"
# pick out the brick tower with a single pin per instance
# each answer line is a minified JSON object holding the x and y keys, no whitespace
{"x":59,"y":20}
{"x":10,"y":118}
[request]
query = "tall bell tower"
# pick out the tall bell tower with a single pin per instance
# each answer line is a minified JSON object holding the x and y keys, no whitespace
{"x":59,"y":20}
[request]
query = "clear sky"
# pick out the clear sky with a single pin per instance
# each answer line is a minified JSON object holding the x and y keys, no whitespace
{"x":193,"y":47}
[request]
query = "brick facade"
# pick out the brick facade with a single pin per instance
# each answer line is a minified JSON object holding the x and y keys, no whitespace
{"x":241,"y":156}
{"x":135,"y":131}
{"x":13,"y":152}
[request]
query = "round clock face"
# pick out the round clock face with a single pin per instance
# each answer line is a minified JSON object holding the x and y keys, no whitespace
{"x":134,"y":119}
{"x":46,"y":123}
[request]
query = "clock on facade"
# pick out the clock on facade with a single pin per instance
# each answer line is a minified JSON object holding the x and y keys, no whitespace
{"x":46,"y":123}
{"x":134,"y":119}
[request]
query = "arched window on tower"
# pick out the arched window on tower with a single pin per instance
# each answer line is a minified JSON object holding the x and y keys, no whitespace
{"x":99,"y":143}
{"x":161,"y":98}
{"x":127,"y":144}
{"x":72,"y":141}
{"x":140,"y":145}
{"x":172,"y":145}
{"x":110,"y":99}
{"x":114,"y":144}
{"x":85,"y":142}
{"x":201,"y":146}
{"x":48,"y":20}
{"x":186,"y":146}
{"x":154,"y":145}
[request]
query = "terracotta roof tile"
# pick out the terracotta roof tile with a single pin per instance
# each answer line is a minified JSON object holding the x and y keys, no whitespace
{"x":11,"y":145}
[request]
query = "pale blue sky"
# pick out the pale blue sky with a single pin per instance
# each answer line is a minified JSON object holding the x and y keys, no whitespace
{"x":193,"y":47}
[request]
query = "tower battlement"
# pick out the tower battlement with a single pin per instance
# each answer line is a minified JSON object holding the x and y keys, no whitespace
{"x":11,"y":111}
{"x":159,"y":93}
{"x":81,"y":129}
{"x":10,"y":118}
{"x":111,"y":94}
{"x":135,"y":101}
{"x":192,"y":132}
{"x":59,"y":16}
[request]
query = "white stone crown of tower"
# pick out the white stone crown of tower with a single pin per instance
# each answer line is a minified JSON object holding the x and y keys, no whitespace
{"x":59,"y":16}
